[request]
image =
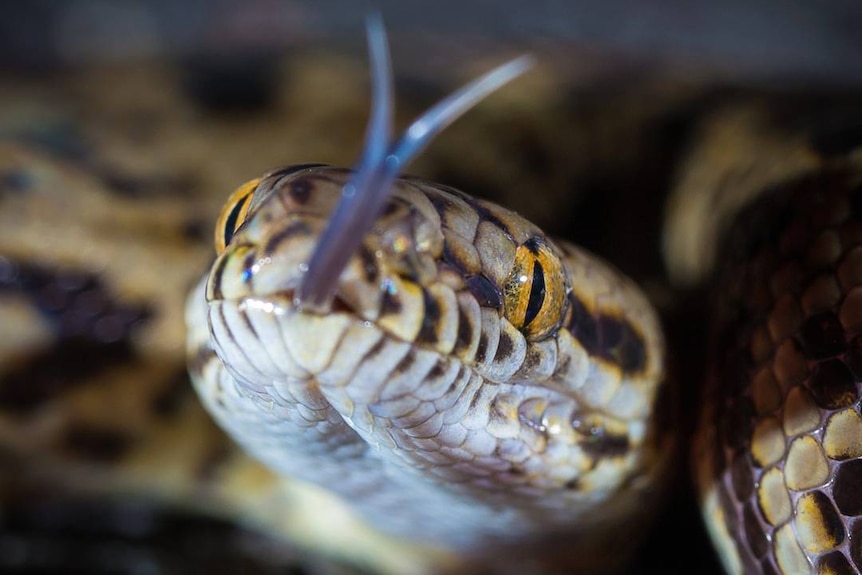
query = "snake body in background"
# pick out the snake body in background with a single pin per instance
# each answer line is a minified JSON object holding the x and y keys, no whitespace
{"x":745,"y":507}
{"x":778,"y":455}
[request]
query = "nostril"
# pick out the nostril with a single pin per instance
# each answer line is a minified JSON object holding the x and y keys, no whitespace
{"x":341,"y":305}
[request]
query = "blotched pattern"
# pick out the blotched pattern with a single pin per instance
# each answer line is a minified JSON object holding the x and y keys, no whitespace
{"x":781,"y":442}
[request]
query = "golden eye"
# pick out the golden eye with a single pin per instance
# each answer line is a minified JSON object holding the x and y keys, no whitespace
{"x":535,"y":291}
{"x":233,"y":214}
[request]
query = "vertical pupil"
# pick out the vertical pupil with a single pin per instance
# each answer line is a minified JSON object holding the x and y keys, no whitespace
{"x":233,"y":218}
{"x":537,"y":294}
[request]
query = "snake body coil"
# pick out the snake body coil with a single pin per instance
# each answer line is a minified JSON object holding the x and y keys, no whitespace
{"x":779,"y":455}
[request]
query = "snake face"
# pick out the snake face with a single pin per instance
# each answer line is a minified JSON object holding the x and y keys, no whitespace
{"x":472,"y":379}
{"x":532,"y":296}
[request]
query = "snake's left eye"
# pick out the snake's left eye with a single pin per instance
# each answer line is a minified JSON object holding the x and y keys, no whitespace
{"x":234,"y":213}
{"x":535,"y":291}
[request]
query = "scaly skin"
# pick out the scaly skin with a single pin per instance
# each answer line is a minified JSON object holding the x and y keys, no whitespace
{"x":779,"y":447}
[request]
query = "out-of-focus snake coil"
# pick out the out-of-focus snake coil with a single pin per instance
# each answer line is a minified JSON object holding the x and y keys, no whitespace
{"x":780,"y":452}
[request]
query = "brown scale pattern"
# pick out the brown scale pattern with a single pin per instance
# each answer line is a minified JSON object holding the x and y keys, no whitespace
{"x":786,"y":371}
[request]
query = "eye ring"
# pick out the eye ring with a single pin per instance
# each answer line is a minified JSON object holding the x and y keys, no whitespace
{"x":234,"y":213}
{"x":534,"y":295}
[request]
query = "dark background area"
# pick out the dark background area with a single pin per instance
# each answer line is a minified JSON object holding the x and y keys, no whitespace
{"x":750,"y":40}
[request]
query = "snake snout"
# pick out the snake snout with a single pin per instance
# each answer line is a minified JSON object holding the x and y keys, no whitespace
{"x":267,"y":258}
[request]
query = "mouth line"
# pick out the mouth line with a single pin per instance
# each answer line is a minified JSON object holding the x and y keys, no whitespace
{"x":283,"y":303}
{"x":286,"y":300}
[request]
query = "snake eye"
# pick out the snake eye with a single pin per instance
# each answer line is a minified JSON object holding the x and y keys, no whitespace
{"x":233,"y":214}
{"x":535,"y":291}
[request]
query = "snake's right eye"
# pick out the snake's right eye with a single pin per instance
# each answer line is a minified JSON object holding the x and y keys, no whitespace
{"x":234,"y":214}
{"x":535,"y":291}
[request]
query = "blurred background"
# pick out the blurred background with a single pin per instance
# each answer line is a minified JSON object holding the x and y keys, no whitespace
{"x":202,"y":95}
{"x":765,"y":39}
